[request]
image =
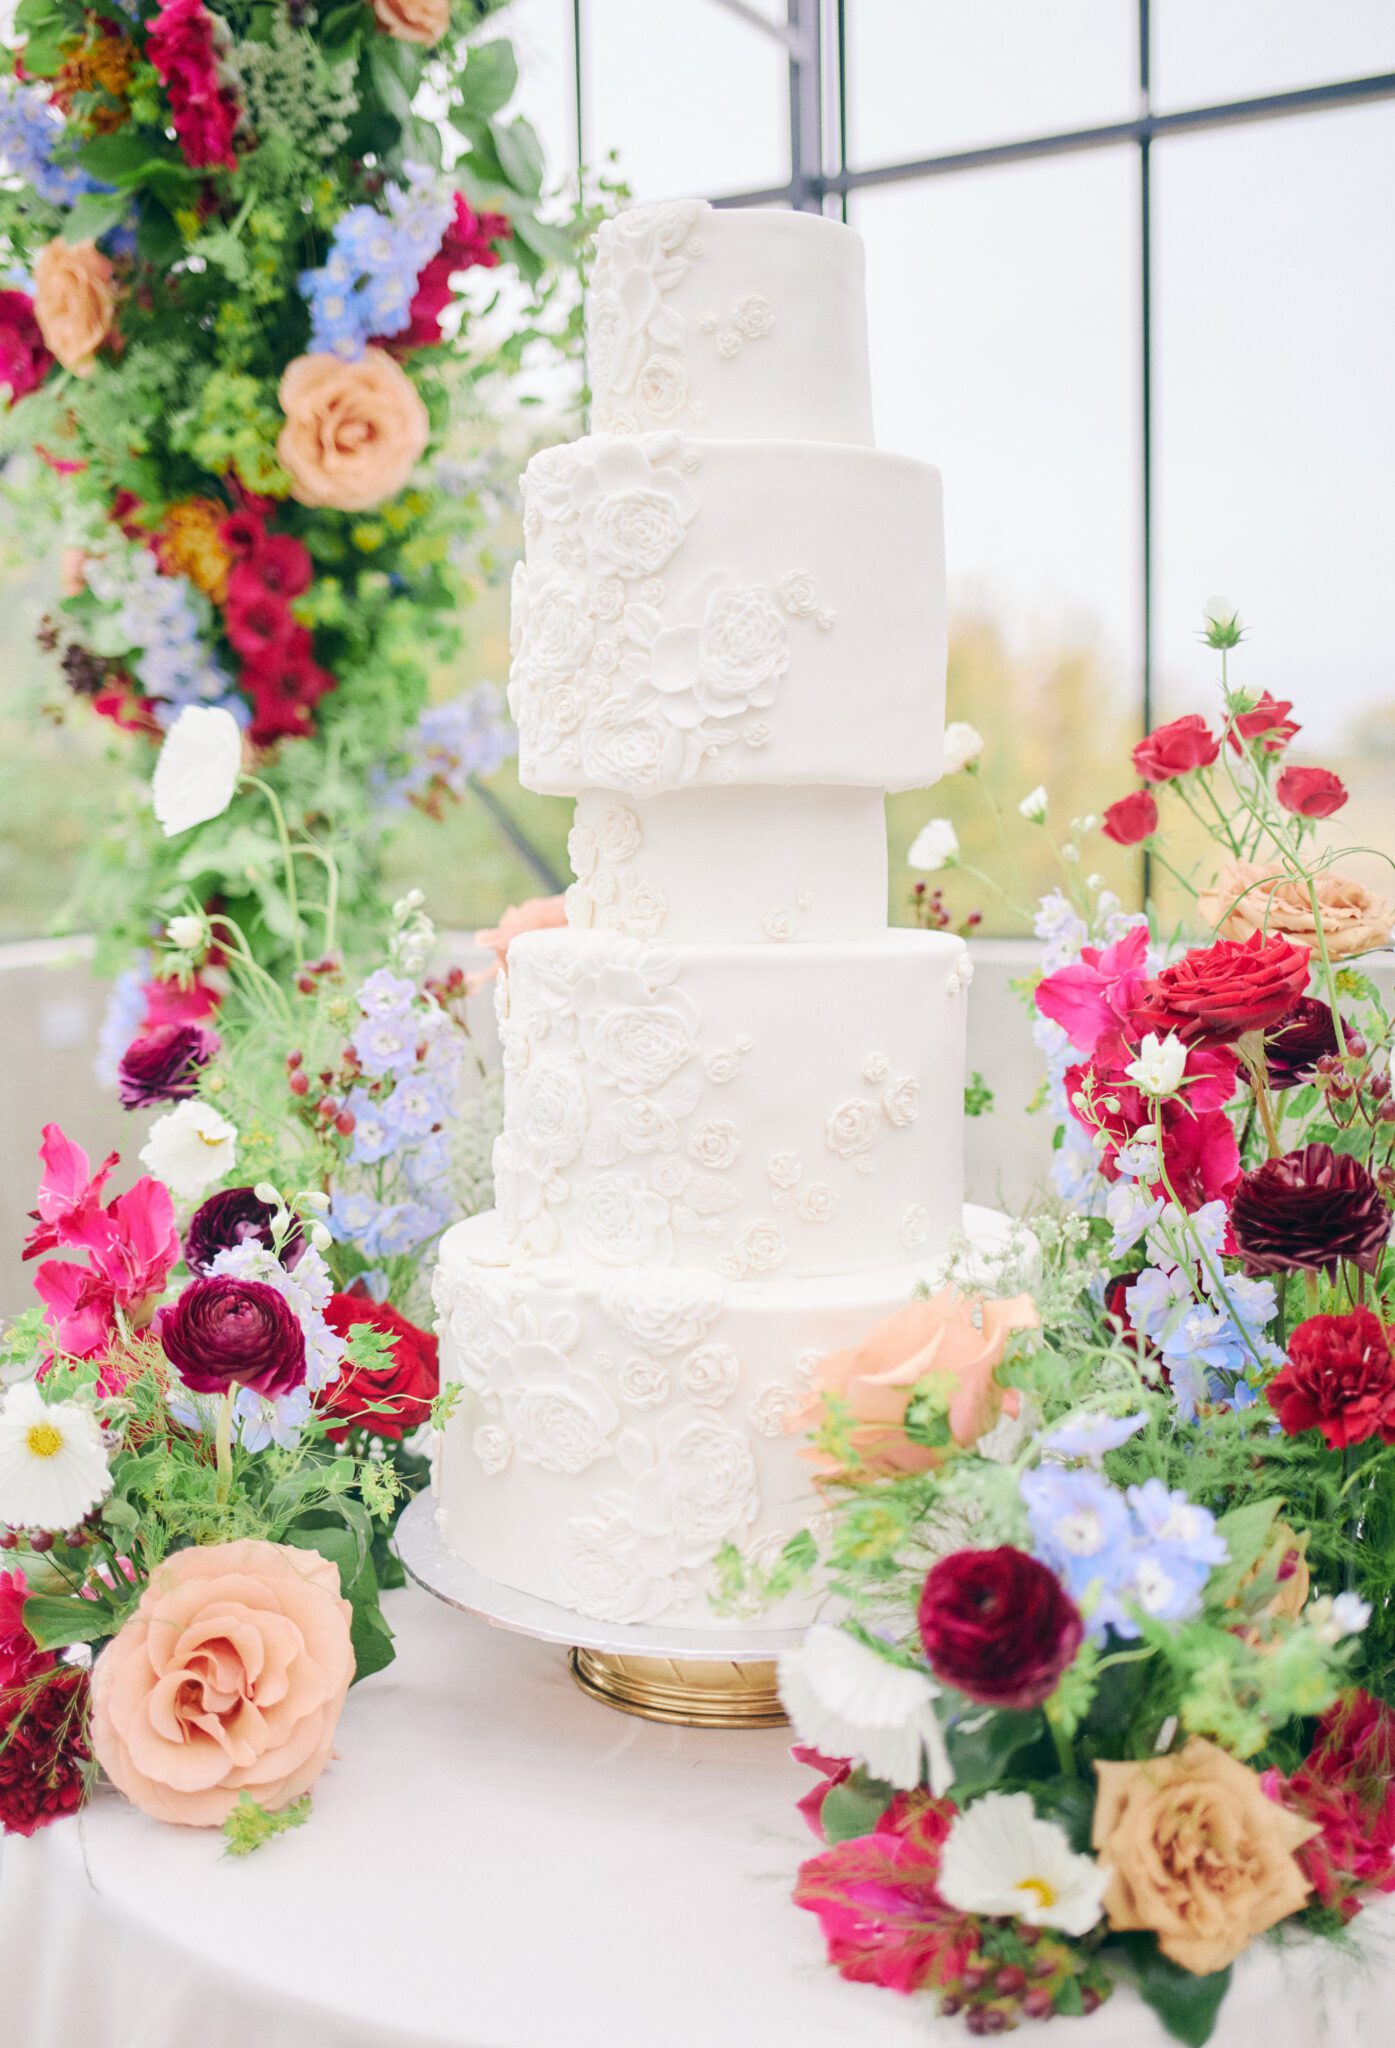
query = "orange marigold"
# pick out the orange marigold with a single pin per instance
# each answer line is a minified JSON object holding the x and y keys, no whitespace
{"x":190,"y":544}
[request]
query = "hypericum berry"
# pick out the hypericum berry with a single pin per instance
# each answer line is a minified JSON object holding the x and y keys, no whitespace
{"x":1342,"y":1085}
{"x":987,"y":2019}
{"x":345,"y":1122}
{"x":950,"y":2004}
{"x":1327,"y":1063}
{"x":305,"y":982}
{"x":1385,"y":1178}
{"x":1386,"y":1112}
{"x":40,"y":1540}
{"x":974,"y":1977}
{"x":293,"y":1060}
{"x":1090,"y":1999}
{"x":1379,"y":1085}
{"x":1356,"y":1046}
{"x":9,"y":1539}
{"x":299,"y":1082}
{"x":1011,"y":1979}
{"x":1044,"y":1966}
{"x":1039,"y":2004}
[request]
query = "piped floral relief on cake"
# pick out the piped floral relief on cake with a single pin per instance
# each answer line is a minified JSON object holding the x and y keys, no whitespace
{"x":609,"y":893}
{"x":752,"y":318}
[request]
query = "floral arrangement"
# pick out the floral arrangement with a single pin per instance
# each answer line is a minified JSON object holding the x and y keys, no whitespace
{"x":244,"y":320}
{"x":210,"y":1421}
{"x":1112,"y":1512}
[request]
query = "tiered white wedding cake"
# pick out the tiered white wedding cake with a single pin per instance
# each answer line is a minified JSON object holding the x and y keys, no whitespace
{"x":732,"y":1127}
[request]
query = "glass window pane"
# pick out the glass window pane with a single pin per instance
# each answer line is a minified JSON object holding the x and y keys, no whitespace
{"x":927,"y":77}
{"x":1207,"y":51}
{"x":1275,"y":301}
{"x":1004,"y":337}
{"x":693,"y":98}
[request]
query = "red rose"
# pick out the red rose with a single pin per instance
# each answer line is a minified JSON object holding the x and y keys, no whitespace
{"x":42,"y":1751}
{"x":1267,"y":719}
{"x":998,"y":1626}
{"x":1133,"y":818}
{"x":396,"y":1400}
{"x":1307,"y":1211}
{"x":1219,"y":992}
{"x":1176,"y":749}
{"x":1311,"y":792}
{"x":1340,"y":1378}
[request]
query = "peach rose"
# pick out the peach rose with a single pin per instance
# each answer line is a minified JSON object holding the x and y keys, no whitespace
{"x":354,"y":432}
{"x":1197,"y":1853}
{"x":1247,"y":898}
{"x":228,"y":1678}
{"x":958,"y":1338}
{"x":74,"y":301}
{"x":413,"y":21}
{"x":538,"y":914}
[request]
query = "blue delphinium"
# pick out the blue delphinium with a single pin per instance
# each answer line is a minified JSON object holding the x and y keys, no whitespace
{"x":1148,"y":1549}
{"x":365,"y":287}
{"x":1207,"y":1325}
{"x":468,"y":735}
{"x":30,"y":131}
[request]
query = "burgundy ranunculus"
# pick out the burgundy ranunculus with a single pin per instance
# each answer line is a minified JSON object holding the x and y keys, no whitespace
{"x":1218,"y":992}
{"x":1340,"y":1378}
{"x":998,"y":1626}
{"x":396,"y":1400}
{"x":224,"y":1332}
{"x":42,"y":1751}
{"x":1311,"y":792}
{"x":1307,"y":1211}
{"x":163,"y":1065}
{"x":1294,"y":1048}
{"x":230,"y":1218}
{"x":1133,"y":818}
{"x":1176,"y":749}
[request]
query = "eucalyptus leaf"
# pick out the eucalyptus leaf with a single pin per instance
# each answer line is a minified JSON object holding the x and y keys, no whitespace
{"x":490,"y":78}
{"x":94,"y":215}
{"x":520,"y":155}
{"x":984,"y":1743}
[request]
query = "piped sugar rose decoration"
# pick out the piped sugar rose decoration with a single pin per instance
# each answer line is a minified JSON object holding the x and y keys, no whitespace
{"x":413,"y":21}
{"x":74,"y":302}
{"x":953,"y":1341}
{"x":1307,"y":1211}
{"x":354,"y":431}
{"x":998,"y":1626}
{"x":1340,"y":1378}
{"x":1247,"y":898}
{"x":1220,"y":992}
{"x":1311,"y":792}
{"x":229,"y":1678}
{"x":1176,"y":749}
{"x":1197,"y":1854}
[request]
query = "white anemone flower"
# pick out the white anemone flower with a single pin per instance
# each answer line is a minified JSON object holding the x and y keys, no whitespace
{"x":190,"y":1149}
{"x":1001,"y":1859}
{"x":847,"y":1701}
{"x":935,"y":846}
{"x":53,"y":1462}
{"x":197,"y":770}
{"x":963,"y":745}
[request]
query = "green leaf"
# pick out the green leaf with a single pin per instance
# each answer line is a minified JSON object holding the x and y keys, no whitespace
{"x":249,"y":1826}
{"x":520,"y":155}
{"x":374,"y":1648}
{"x":551,"y":243}
{"x":981,"y":1751}
{"x":1247,"y":1531}
{"x":93,"y":215}
{"x":490,"y":78}
{"x":56,"y":1623}
{"x":854,"y":1807}
{"x":389,"y":84}
{"x":1186,"y":2004}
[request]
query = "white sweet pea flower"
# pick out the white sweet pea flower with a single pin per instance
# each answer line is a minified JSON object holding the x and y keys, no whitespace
{"x":963,"y":745}
{"x":190,"y":1149}
{"x":1160,"y":1065}
{"x":1033,"y":805}
{"x":53,"y":1462}
{"x":847,"y":1701}
{"x":1001,"y":1860}
{"x":197,"y":770}
{"x":935,"y":846}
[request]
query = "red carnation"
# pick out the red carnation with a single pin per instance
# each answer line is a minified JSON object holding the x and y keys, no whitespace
{"x":998,"y":1626}
{"x":1311,"y":792}
{"x":285,"y":684}
{"x":1219,"y":992}
{"x":1176,"y":749}
{"x":163,"y":1065}
{"x":1347,"y":1785}
{"x":24,"y":360}
{"x":395,"y":1400}
{"x":43,"y":1749}
{"x":1133,"y":818}
{"x":1340,"y":1378}
{"x":1307,"y":1211}
{"x":1267,"y":719}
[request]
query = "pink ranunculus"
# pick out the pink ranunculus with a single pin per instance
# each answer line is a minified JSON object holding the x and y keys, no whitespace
{"x":1092,"y":998}
{"x":538,"y":914}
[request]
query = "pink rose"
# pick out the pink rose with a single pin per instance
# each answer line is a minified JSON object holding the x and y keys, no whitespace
{"x":229,"y":1677}
{"x":354,"y":432}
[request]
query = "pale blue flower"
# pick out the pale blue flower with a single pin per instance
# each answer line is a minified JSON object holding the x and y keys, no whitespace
{"x":1090,"y":1436}
{"x":386,"y":1045}
{"x":1173,"y":1519}
{"x":385,"y":994}
{"x":1079,"y":1522}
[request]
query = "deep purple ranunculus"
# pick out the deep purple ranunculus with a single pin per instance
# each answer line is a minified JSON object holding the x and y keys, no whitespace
{"x":1308,"y":1211}
{"x":163,"y":1065}
{"x":1294,"y":1047}
{"x":230,"y":1218}
{"x":224,"y":1332}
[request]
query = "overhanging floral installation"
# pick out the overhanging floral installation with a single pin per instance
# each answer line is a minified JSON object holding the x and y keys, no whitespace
{"x":1114,"y":1518}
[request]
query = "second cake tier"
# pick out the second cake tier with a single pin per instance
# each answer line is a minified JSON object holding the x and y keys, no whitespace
{"x":746,"y":1109}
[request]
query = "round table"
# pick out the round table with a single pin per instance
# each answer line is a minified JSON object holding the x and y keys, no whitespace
{"x":496,"y":1861}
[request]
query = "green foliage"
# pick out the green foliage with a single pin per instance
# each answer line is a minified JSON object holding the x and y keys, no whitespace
{"x":249,"y":1826}
{"x":978,"y":1096}
{"x":854,"y":1807}
{"x":1187,"y":2005}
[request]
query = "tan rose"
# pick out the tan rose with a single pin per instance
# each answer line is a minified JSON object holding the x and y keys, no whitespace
{"x":1247,"y":898}
{"x":74,"y":301}
{"x":954,"y":1338}
{"x":1276,"y":1587}
{"x":1197,"y":1854}
{"x":354,"y":431}
{"x":229,"y":1677}
{"x":413,"y":21}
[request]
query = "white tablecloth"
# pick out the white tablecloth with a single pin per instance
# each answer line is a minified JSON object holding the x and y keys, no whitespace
{"x":498,"y":1862}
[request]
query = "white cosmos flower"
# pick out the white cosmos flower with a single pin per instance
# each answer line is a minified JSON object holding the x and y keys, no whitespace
{"x":847,"y":1701}
{"x":963,"y":745}
{"x":190,"y":1149}
{"x":1033,"y":805}
{"x":53,"y":1463}
{"x":1001,"y":1859}
{"x":197,"y":769}
{"x":1160,"y":1064}
{"x":934,"y":846}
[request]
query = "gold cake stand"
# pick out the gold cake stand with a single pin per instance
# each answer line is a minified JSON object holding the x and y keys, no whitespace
{"x":695,"y":1679}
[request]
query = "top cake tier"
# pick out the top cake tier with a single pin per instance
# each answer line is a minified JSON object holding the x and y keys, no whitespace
{"x":729,"y":325}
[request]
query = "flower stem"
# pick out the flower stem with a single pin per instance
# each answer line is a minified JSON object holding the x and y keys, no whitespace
{"x":287,"y":862}
{"x":224,"y":1448}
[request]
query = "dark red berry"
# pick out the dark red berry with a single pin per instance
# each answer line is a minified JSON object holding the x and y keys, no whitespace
{"x":974,"y":1977}
{"x":299,"y":1083}
{"x":1356,"y":1046}
{"x":1044,"y":1966}
{"x":344,"y":1123}
{"x":1039,"y":2003}
{"x":40,"y":1541}
{"x":294,"y":1059}
{"x":1011,"y":1979}
{"x":305,"y":983}
{"x":1090,"y":1999}
{"x":950,"y":2004}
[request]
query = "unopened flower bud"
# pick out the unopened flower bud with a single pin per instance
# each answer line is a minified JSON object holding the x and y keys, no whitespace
{"x":320,"y":1237}
{"x":188,"y":933}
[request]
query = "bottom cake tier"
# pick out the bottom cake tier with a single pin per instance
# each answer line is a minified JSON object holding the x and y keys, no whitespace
{"x":614,"y":1431}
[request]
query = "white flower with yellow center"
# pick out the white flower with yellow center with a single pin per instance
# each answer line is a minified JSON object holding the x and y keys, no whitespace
{"x":53,"y":1463}
{"x":848,"y":1701}
{"x":191,"y":1149}
{"x":1002,"y":1860}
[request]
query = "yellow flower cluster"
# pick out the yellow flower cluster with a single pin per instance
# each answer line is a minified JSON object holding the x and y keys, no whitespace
{"x":190,"y":545}
{"x":93,"y":86}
